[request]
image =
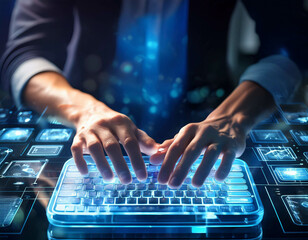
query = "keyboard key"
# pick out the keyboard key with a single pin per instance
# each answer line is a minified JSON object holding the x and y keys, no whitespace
{"x":99,"y":187}
{"x":239,"y":200}
{"x":152,"y":186}
{"x":131,"y":200}
{"x":236,"y":168}
{"x":175,"y":201}
{"x":67,"y":194}
{"x":125,"y":194}
{"x":147,"y":194}
{"x":168,"y":193}
{"x":200,"y":193}
{"x":70,"y":208}
{"x":81,"y":194}
{"x":164,"y":200}
{"x":235,"y":175}
{"x":71,"y":200}
{"x":207,"y":200}
{"x":130,"y":187}
{"x":222,"y":194}
{"x":120,"y":200}
{"x":60,"y":207}
{"x":249,"y":208}
{"x":141,"y":186}
{"x":142,"y":200}
{"x":92,"y":194}
{"x":94,"y":174}
{"x":190,"y":193}
{"x":92,"y":209}
{"x":197,"y":201}
{"x":153,"y":200}
{"x":158,"y":193}
{"x":98,"y":201}
{"x":136,"y":193}
{"x":120,"y":187}
{"x":183,"y":187}
{"x":161,"y":187}
{"x":73,"y":180}
{"x":212,"y":209}
{"x":186,"y":201}
{"x":80,"y":208}
{"x":89,"y":187}
{"x":109,"y":187}
{"x":235,"y":181}
{"x":219,"y":201}
{"x":87,"y":201}
{"x":239,"y":194}
{"x":211,"y":194}
{"x":179,"y":194}
{"x":225,"y":208}
{"x":236,"y":209}
{"x":237,"y":187}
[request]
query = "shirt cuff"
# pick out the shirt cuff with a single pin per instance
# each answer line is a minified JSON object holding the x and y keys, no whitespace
{"x":25,"y":72}
{"x":277,"y":74}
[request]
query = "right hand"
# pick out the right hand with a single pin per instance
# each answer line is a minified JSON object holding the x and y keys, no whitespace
{"x":100,"y":128}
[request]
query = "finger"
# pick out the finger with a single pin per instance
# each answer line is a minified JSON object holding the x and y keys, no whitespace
{"x":113,"y":149}
{"x":173,"y":154}
{"x":207,"y":163}
{"x":95,"y":148}
{"x":190,"y":155}
{"x":146,"y":143}
{"x":131,"y":146}
{"x":77,"y":153}
{"x":158,"y":157}
{"x":225,"y":165}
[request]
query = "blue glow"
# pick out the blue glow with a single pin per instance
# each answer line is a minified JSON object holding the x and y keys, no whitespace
{"x":77,"y":198}
{"x":25,"y":116}
{"x":24,"y":168}
{"x":268,"y":136}
{"x":276,"y":153}
{"x":15,"y":134}
{"x":284,"y":52}
{"x":292,"y":173}
{"x":54,"y":135}
{"x":297,"y":206}
{"x":45,"y":150}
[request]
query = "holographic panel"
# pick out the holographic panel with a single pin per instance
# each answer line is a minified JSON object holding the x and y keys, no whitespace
{"x":306,"y":155}
{"x":54,"y":135}
{"x":8,"y":209}
{"x":301,"y":137}
{"x":297,"y":206}
{"x":45,"y":150}
{"x":292,"y":173}
{"x":25,"y":116}
{"x":268,"y":136}
{"x":15,"y":134}
{"x":272,"y":119}
{"x":25,"y":169}
{"x":4,"y":115}
{"x":296,"y":114}
{"x":276,"y":153}
{"x":4,"y":152}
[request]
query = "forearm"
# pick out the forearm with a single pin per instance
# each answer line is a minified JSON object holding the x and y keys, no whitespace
{"x":246,"y":106}
{"x":50,"y":91}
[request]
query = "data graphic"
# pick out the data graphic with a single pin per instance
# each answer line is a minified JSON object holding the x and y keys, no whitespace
{"x":26,"y":168}
{"x":297,"y":206}
{"x":276,"y":153}
{"x":268,"y":136}
{"x":45,"y":150}
{"x":15,"y":134}
{"x":54,"y":135}
{"x":287,"y":174}
{"x":295,"y":114}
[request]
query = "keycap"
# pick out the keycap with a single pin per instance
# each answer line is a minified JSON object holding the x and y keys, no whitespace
{"x":236,"y":209}
{"x":158,"y":193}
{"x":109,"y":200}
{"x":237,"y":187}
{"x":153,"y":200}
{"x":131,"y":200}
{"x":222,"y":194}
{"x":190,"y":193}
{"x":120,"y":187}
{"x":147,"y":193}
{"x":239,"y":200}
{"x":141,"y":186}
{"x":235,"y":181}
{"x":179,"y":193}
{"x":212,"y":209}
{"x":92,"y":209}
{"x":114,"y":194}
{"x":98,"y":201}
{"x":131,"y":187}
{"x":200,"y":193}
{"x":224,"y":208}
{"x":197,"y":201}
{"x":152,"y":186}
{"x":168,"y":193}
{"x":249,"y":208}
{"x":125,"y":193}
{"x":235,"y":174}
{"x":142,"y":200}
{"x":136,"y":193}
{"x":98,"y":187}
{"x":87,"y":201}
{"x":186,"y":201}
{"x":239,"y":193}
{"x":60,"y":207}
{"x":175,"y":201}
{"x":164,"y":200}
{"x":120,"y":200}
{"x":211,"y":194}
{"x":92,"y":194}
{"x":161,"y":187}
{"x":67,"y":194}
{"x":71,"y":200}
{"x":219,"y":201}
{"x":207,"y":200}
{"x":80,"y":208}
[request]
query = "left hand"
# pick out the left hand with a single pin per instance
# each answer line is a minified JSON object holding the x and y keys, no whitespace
{"x":217,"y":134}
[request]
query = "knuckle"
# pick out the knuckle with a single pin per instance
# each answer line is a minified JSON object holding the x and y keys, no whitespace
{"x":75,"y":147}
{"x":110,"y":146}
{"x":94,"y":145}
{"x":120,"y":119}
{"x":129,"y":141}
{"x":213,"y":148}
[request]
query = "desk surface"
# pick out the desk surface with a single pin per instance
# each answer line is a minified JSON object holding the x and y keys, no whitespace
{"x":273,"y":160}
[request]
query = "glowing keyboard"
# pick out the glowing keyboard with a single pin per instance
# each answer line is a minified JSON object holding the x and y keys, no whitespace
{"x":80,"y":199}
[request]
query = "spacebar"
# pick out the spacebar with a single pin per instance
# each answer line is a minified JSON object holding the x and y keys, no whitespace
{"x":146,"y":208}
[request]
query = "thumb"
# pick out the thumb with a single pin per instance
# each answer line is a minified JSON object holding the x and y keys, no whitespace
{"x":146,"y":143}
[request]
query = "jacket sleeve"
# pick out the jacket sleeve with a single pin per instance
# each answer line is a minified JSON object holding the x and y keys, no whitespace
{"x":282,"y":29}
{"x":40,"y":31}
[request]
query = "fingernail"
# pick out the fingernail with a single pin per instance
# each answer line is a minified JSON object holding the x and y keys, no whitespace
{"x":161,"y":149}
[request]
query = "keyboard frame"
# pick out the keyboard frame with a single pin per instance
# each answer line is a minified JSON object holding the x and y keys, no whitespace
{"x":150,"y":219}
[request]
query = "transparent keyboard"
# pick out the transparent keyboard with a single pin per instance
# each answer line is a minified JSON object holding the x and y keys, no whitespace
{"x":86,"y":195}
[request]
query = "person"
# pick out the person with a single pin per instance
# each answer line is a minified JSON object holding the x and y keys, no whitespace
{"x":39,"y":74}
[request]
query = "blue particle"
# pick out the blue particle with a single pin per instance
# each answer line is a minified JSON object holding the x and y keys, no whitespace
{"x":126,"y":100}
{"x":126,"y":67}
{"x":151,"y":56}
{"x":220,"y":92}
{"x":194,"y":97}
{"x":174,"y":93}
{"x":153,"y":109}
{"x":152,"y":44}
{"x":284,"y":52}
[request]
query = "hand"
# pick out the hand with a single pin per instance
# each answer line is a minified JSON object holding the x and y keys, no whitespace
{"x":216,"y":134}
{"x":100,"y":128}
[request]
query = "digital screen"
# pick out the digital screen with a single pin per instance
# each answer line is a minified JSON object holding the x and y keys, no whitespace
{"x":276,"y":153}
{"x":45,"y":150}
{"x":54,"y":135}
{"x":8,"y":209}
{"x":4,"y":152}
{"x":28,"y":169}
{"x":292,"y":173}
{"x":15,"y":134}
{"x":268,"y":136}
{"x":297,"y":207}
{"x":300,"y":136}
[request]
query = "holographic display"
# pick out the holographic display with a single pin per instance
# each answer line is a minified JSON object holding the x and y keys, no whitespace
{"x":4,"y":115}
{"x":306,"y":155}
{"x":301,"y":137}
{"x":24,"y":116}
{"x":297,"y":206}
{"x":45,"y":150}
{"x":276,"y":153}
{"x":295,"y":114}
{"x":8,"y":209}
{"x":15,"y":134}
{"x":82,"y":199}
{"x":25,"y":169}
{"x":54,"y":135}
{"x":288,"y":174}
{"x":4,"y":152}
{"x":268,"y":136}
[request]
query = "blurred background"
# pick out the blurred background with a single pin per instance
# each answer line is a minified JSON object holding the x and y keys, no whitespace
{"x":243,"y":44}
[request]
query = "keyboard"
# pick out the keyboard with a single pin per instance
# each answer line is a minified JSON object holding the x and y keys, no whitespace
{"x":88,"y":199}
